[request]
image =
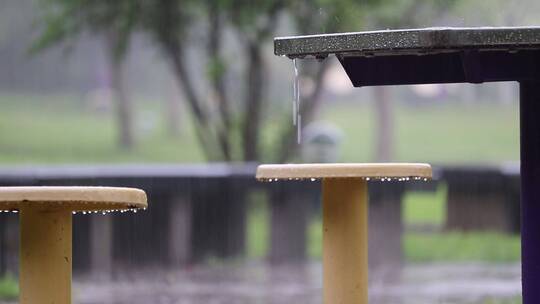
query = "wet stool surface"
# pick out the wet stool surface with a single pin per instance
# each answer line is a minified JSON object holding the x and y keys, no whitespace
{"x":344,"y":170}
{"x":45,"y":219}
{"x":72,"y":198}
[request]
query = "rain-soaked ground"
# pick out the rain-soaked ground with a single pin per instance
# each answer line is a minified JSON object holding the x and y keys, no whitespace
{"x":260,"y":284}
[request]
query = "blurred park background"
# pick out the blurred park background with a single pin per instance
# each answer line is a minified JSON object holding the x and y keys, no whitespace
{"x":133,"y":87}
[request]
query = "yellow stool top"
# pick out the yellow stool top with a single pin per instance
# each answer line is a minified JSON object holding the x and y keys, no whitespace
{"x":73,"y":198}
{"x":382,"y":171}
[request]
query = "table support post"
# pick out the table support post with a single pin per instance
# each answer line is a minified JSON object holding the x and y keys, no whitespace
{"x":45,"y":256}
{"x":530,"y":190}
{"x":345,"y":241}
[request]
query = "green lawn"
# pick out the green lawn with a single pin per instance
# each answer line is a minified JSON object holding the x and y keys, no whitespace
{"x":55,"y":129}
{"x":498,"y":301}
{"x":461,"y":247}
{"x":258,"y":234}
{"x":424,"y":208}
{"x":64,"y":130}
{"x":9,"y":288}
{"x":445,"y":133}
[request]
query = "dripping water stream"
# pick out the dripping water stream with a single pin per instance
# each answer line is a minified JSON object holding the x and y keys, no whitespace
{"x":297,"y":118}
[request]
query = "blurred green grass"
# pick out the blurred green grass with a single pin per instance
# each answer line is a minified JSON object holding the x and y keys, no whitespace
{"x":462,"y":247}
{"x":9,"y":287}
{"x":443,"y":133}
{"x":424,"y":208}
{"x":258,"y":223}
{"x":503,"y":301}
{"x":64,"y":128}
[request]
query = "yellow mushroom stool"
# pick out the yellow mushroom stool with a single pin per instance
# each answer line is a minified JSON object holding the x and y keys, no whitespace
{"x":45,"y":232}
{"x":345,"y":218}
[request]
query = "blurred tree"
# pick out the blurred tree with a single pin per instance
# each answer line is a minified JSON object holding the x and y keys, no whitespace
{"x":320,"y":16}
{"x":228,"y":128}
{"x":225,"y":131}
{"x":64,"y":20}
{"x":255,"y":24}
{"x":312,"y":17}
{"x":397,"y":15}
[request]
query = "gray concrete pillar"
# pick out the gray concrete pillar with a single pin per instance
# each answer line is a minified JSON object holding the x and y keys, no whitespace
{"x":101,"y":246}
{"x":12,"y":243}
{"x":291,"y":204}
{"x":180,"y":214}
{"x":385,"y":230}
{"x":479,"y":200}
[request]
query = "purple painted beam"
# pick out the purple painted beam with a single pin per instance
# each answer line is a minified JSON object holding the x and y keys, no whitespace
{"x":530,"y":190}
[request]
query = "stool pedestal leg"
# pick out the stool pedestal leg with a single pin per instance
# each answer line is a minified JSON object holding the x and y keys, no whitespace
{"x":345,"y":241}
{"x":45,"y":256}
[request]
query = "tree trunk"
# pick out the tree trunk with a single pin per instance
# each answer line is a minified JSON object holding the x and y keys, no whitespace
{"x":253,"y":102}
{"x":384,"y":133}
{"x":217,"y":79}
{"x":203,"y":128}
{"x":124,"y":107}
{"x":173,"y":113}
